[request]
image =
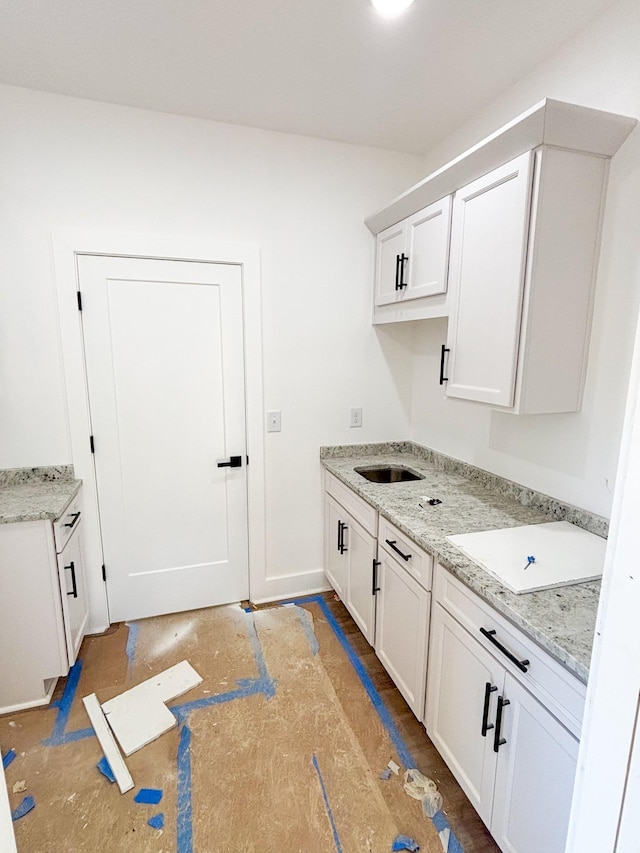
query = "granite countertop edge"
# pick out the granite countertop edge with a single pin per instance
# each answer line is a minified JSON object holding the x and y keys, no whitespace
{"x":543,"y":616}
{"x":36,"y":494}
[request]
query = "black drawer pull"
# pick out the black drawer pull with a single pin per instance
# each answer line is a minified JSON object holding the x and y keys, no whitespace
{"x":521,"y":664}
{"x":497,"y":740}
{"x":488,"y":690}
{"x":74,"y":588}
{"x":392,"y":544}
{"x":75,"y":516}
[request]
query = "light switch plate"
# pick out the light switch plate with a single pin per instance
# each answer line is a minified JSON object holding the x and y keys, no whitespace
{"x":274,"y":421}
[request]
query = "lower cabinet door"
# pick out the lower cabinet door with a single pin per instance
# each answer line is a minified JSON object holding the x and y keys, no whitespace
{"x":462,"y":690}
{"x":335,"y":553}
{"x":402,"y":630}
{"x":73,"y":594}
{"x":361,"y":599}
{"x":534,"y":778}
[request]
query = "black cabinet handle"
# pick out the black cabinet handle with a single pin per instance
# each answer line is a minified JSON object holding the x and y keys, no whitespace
{"x":443,"y":349}
{"x":75,"y":516}
{"x":74,"y":588}
{"x":392,"y":544}
{"x":521,"y":664}
{"x":497,"y":740}
{"x":232,"y":462}
{"x":401,"y":261}
{"x":341,"y":529}
{"x":488,"y":690}
{"x":374,"y":577}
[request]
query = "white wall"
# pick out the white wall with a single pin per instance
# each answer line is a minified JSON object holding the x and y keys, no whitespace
{"x":71,"y":163}
{"x":573,"y":456}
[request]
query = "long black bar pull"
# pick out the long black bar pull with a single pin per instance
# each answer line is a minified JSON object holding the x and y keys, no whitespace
{"x":521,"y":664}
{"x":443,"y":350}
{"x":400,"y":262}
{"x":75,"y":516}
{"x":392,"y":544}
{"x":374,"y":577}
{"x":486,"y":725}
{"x":497,"y":740}
{"x":74,"y":588}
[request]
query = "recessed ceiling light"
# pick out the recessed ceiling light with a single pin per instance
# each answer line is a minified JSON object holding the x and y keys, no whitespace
{"x":391,"y":8}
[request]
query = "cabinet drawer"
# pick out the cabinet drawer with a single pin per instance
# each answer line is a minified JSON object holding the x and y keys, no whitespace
{"x":406,"y":553}
{"x":557,"y":689}
{"x":363,"y":512}
{"x":64,"y":526}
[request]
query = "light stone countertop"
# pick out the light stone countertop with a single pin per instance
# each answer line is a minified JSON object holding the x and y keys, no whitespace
{"x":562,"y":620}
{"x":35,"y":494}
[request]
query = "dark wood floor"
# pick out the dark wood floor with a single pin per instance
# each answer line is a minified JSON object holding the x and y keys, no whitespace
{"x":464,"y":820}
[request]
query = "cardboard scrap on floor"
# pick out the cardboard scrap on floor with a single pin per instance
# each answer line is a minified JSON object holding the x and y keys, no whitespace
{"x":137,"y":717}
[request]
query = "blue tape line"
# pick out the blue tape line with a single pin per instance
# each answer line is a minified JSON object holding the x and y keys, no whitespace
{"x":184,"y":806}
{"x":64,"y":708}
{"x":132,"y":641}
{"x":334,"y":828}
{"x":307,"y":627}
{"x":8,"y":757}
{"x":439,"y":821}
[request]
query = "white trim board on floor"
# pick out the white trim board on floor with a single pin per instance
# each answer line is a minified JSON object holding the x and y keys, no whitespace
{"x":107,"y":742}
{"x":67,"y":244}
{"x":139,"y":715}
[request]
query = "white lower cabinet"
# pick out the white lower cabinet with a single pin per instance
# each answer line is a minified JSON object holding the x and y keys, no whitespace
{"x":383,"y":580}
{"x":43,"y":607}
{"x":486,"y":714}
{"x":402,"y":630}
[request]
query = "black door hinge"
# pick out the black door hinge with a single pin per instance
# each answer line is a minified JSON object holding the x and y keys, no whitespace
{"x":92,"y":444}
{"x":79,"y":295}
{"x":104,"y":573}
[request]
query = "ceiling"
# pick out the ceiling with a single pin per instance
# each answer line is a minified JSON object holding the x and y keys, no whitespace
{"x":324,"y":68}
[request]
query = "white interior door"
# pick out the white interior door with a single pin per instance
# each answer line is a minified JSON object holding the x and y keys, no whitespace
{"x":165,"y":374}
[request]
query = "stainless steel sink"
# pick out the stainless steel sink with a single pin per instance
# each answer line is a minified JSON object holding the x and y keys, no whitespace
{"x":388,"y":474}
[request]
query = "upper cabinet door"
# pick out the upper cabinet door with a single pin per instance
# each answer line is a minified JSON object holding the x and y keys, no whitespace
{"x":390,"y":246}
{"x":486,"y":277}
{"x":428,"y":234}
{"x":412,"y":257}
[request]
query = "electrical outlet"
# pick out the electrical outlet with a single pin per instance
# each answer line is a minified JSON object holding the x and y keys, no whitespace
{"x":356,"y":418}
{"x":274,"y":421}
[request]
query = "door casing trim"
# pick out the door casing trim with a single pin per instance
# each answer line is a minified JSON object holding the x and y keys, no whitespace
{"x":66,"y":245}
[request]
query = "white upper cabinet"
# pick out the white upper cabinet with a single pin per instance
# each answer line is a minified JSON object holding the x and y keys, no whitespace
{"x":411,"y":264}
{"x":515,"y":271}
{"x":523,"y":263}
{"x":491,"y":218}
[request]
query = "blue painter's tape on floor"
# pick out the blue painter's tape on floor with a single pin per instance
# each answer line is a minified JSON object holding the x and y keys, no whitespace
{"x":8,"y":757}
{"x":148,"y":796}
{"x":132,"y":641}
{"x":24,"y":808}
{"x":105,"y":768}
{"x":184,"y":806}
{"x":307,"y":626}
{"x":334,"y":828}
{"x":157,"y":821}
{"x":439,"y":821}
{"x":59,"y":735}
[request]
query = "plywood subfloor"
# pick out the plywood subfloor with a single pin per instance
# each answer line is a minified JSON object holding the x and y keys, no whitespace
{"x":279,"y":749}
